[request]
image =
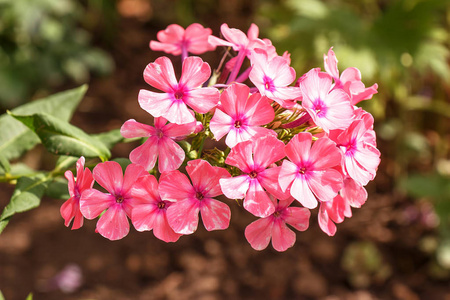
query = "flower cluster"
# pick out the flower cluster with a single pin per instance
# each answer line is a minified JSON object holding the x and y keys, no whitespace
{"x":285,"y":145}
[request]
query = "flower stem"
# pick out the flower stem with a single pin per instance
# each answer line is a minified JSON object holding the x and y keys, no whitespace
{"x":300,"y":121}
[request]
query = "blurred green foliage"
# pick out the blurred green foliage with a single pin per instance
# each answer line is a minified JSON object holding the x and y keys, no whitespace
{"x":46,"y":43}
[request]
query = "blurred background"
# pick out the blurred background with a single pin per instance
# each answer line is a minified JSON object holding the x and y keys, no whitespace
{"x":397,"y":246}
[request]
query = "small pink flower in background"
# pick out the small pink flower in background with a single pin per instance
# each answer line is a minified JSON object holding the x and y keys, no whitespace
{"x":150,"y":212}
{"x":113,"y":224}
{"x":259,"y":233}
{"x":175,"y":39}
{"x":238,"y":40}
{"x":361,"y":157}
{"x":160,"y":143}
{"x":350,"y":80}
{"x":272,"y":77}
{"x":253,"y":158}
{"x":71,"y":208}
{"x":329,"y":109}
{"x":190,"y":199}
{"x":331,"y":212}
{"x":173,"y":103}
{"x":310,"y":173}
{"x":240,"y":117}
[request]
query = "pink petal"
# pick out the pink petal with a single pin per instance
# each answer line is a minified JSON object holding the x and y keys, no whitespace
{"x":162,"y":229}
{"x":143,"y":216}
{"x":235,"y":187}
{"x":109,"y":175}
{"x":132,"y":173}
{"x":354,"y":193}
{"x":297,"y":217}
{"x":172,"y":130}
{"x":259,"y":232}
{"x":301,"y":192}
{"x":113,"y":224}
{"x":71,"y":182}
{"x":287,"y":175}
{"x":71,"y":210}
{"x":166,"y":47}
{"x":234,"y":99}
{"x":325,"y":223}
{"x":183,"y":216}
{"x":240,"y":156}
{"x":316,"y":85}
{"x":267,"y":150}
{"x":160,"y":74}
{"x":179,"y":113}
{"x":257,"y":201}
{"x":146,"y":154}
{"x":94,"y":202}
{"x":331,"y":64}
{"x":146,"y":191}
{"x":258,"y":110}
{"x":220,"y":124}
{"x":269,"y":181}
{"x":282,"y":237}
{"x":215,"y":214}
{"x":202,"y":100}
{"x":171,"y":155}
{"x":205,"y":178}
{"x":195,"y":72}
{"x":132,"y":129}
{"x":325,"y":184}
{"x":298,"y":148}
{"x":156,"y":104}
{"x":325,"y":154}
{"x":175,"y":186}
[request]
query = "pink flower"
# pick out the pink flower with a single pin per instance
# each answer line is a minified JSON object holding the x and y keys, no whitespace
{"x":175,"y":40}
{"x":160,"y":143}
{"x":328,"y":109}
{"x":259,"y":233}
{"x":353,"y":192}
{"x":238,"y":40}
{"x":310,"y":172}
{"x":113,"y":224}
{"x":331,"y":212}
{"x":240,"y":117}
{"x":71,"y":208}
{"x":150,"y":212}
{"x":173,"y":103}
{"x":361,"y":157}
{"x":190,"y":199}
{"x":350,"y":80}
{"x":272,"y":77}
{"x":253,"y":158}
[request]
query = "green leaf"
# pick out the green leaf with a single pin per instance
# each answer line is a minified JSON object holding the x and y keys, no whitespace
{"x":62,"y":138}
{"x":3,"y":224}
{"x":57,"y":189}
{"x":110,"y":138}
{"x":64,"y":162}
{"x":4,"y":164}
{"x":1,"y":295}
{"x":27,"y":195}
{"x":15,"y":138}
{"x":30,"y":296}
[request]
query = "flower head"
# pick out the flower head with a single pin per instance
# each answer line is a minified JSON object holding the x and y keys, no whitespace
{"x":160,"y":143}
{"x":175,"y":39}
{"x":150,"y":212}
{"x":241,"y":116}
{"x":118,"y":203}
{"x":260,"y":232}
{"x":173,"y":103}
{"x":190,"y":199}
{"x":71,"y":208}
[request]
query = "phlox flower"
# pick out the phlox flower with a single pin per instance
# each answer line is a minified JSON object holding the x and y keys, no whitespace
{"x":118,"y":203}
{"x":329,"y":109}
{"x":310,"y":173}
{"x":361,"y":157}
{"x":260,"y":232}
{"x":241,"y":116}
{"x":331,"y":212}
{"x":176,"y":40}
{"x":160,"y":143}
{"x":71,"y":208}
{"x":353,"y":192}
{"x":272,"y":77}
{"x":150,"y":212}
{"x":173,"y":103}
{"x":253,"y":158}
{"x":349,"y":81}
{"x":191,"y":199}
{"x":238,"y":40}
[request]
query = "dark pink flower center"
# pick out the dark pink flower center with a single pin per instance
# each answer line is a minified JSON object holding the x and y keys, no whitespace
{"x":302,"y":170}
{"x":159,"y":134}
{"x":277,"y":214}
{"x":253,"y":174}
{"x":238,"y":124}
{"x":199,"y":196}
{"x":350,"y":149}
{"x":268,"y":84}
{"x":178,"y":94}
{"x":161,"y":205}
{"x":119,"y":199}
{"x":320,"y":108}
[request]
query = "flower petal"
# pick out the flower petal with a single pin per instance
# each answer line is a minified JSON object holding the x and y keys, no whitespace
{"x":94,"y":202}
{"x":257,"y":201}
{"x":215,"y":214}
{"x":259,"y":232}
{"x":282,"y":237}
{"x":183,"y":216}
{"x":113,"y":224}
{"x":160,"y":74}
